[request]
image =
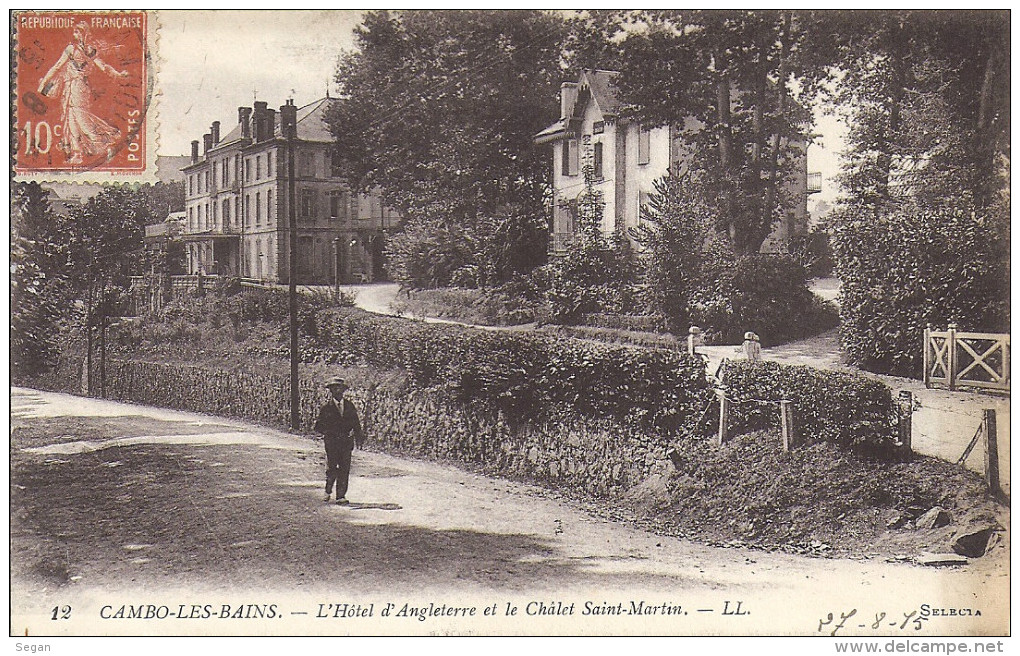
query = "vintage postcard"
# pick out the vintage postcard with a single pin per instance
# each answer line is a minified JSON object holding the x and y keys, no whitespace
{"x":511,"y":323}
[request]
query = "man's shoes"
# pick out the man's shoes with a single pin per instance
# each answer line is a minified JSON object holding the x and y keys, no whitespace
{"x":342,"y":501}
{"x":326,"y":498}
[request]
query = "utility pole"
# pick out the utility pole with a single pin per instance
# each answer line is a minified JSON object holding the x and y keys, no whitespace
{"x":288,"y":117}
{"x":336,"y":268}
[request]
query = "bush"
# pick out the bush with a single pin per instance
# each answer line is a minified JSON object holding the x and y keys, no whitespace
{"x":903,"y":269}
{"x":764,"y":293}
{"x":814,"y":252}
{"x":846,"y":409}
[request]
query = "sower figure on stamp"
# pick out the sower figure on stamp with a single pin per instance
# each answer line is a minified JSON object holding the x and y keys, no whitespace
{"x":85,"y":134}
{"x":341,"y":430}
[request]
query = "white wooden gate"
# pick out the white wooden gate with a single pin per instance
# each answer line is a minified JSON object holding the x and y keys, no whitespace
{"x":957,"y":358}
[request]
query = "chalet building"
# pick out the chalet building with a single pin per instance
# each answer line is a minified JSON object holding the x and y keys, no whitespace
{"x":237,"y":218}
{"x":627,"y":158}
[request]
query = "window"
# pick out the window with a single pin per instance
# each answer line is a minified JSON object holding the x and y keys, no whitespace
{"x":306,"y":248}
{"x":644,"y":146}
{"x":269,"y":164}
{"x":258,"y":209}
{"x":307,"y":165}
{"x":191,"y":219}
{"x":569,"y":164}
{"x":338,"y":205}
{"x":247,"y":170}
{"x":258,"y":167}
{"x":207,"y":186}
{"x":566,"y":219}
{"x":247,"y":210}
{"x":269,"y":206}
{"x":307,"y":203}
{"x":334,"y":163}
{"x":215,"y":215}
{"x":226,"y":172}
{"x":237,"y":208}
{"x":200,"y":225}
{"x":191,"y":185}
{"x":226,"y":209}
{"x":598,"y":127}
{"x":598,"y":161}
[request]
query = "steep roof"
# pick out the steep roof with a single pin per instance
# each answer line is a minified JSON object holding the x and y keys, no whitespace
{"x":311,"y":124}
{"x":602,"y":89}
{"x":597,"y":86}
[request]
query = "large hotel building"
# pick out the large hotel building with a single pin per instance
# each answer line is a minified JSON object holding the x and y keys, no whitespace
{"x":236,"y":217}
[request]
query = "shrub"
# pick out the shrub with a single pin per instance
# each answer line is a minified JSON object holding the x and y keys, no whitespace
{"x":846,"y":409}
{"x":814,"y":252}
{"x":677,"y":220}
{"x":764,"y":293}
{"x":903,"y":269}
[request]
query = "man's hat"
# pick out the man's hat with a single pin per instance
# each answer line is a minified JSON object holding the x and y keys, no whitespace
{"x":335,"y":380}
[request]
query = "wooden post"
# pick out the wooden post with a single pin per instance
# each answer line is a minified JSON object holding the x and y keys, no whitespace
{"x":786,"y":415}
{"x":952,"y":357}
{"x":906,"y":419}
{"x":724,"y":410}
{"x":927,"y":356}
{"x":991,"y":452}
{"x":1005,"y":362}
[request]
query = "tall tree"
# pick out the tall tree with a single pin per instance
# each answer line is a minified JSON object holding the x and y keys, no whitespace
{"x":927,"y":97}
{"x":37,"y":280}
{"x":439,"y":109}
{"x":724,"y":76}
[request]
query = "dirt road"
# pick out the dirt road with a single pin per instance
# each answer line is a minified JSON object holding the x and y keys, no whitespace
{"x":117,"y":507}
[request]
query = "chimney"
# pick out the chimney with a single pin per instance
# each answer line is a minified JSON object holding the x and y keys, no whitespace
{"x":244,"y":120}
{"x":270,"y":123}
{"x":194,"y":152}
{"x":260,"y":121}
{"x":215,"y":132}
{"x":288,"y":120}
{"x":207,"y":142}
{"x":568,"y":96}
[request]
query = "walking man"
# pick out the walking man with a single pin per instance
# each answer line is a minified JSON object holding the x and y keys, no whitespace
{"x":338,"y":424}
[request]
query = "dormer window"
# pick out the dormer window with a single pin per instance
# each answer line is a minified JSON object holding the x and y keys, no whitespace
{"x":598,"y":127}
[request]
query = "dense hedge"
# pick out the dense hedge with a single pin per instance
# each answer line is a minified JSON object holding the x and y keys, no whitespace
{"x":903,"y":269}
{"x":843,"y":408}
{"x":601,"y":457}
{"x":524,"y":373}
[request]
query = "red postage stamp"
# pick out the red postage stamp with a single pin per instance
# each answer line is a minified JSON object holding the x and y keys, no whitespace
{"x":84,"y":87}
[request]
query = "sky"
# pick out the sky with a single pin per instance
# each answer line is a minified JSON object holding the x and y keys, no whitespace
{"x":213,"y":62}
{"x":216,"y":61}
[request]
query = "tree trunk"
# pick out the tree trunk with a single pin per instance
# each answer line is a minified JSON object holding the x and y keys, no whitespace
{"x":768,"y":209}
{"x":89,"y":302}
{"x":987,"y":172}
{"x":725,"y":136}
{"x":102,"y":342}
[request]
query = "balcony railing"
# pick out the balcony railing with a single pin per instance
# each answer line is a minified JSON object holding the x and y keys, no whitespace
{"x":814,"y":183}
